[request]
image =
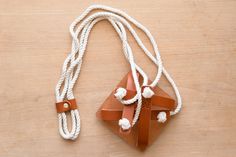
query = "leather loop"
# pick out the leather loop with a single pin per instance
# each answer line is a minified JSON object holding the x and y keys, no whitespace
{"x":66,"y":105}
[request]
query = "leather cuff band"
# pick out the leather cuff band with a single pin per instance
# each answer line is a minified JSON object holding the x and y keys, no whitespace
{"x":66,"y":105}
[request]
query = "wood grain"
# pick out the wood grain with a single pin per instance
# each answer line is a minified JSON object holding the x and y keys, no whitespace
{"x":197,"y":40}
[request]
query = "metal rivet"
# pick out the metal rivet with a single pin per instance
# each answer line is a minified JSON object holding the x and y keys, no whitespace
{"x":66,"y":105}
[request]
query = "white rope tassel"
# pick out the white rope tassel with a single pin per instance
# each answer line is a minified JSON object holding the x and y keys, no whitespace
{"x":124,"y":124}
{"x":80,"y":30}
{"x":161,"y":117}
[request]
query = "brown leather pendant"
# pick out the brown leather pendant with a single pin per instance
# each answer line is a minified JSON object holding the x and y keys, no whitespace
{"x":112,"y":110}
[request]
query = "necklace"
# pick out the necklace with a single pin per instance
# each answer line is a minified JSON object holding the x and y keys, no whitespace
{"x":80,"y":30}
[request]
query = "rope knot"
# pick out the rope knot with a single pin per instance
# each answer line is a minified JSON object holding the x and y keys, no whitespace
{"x":147,"y":92}
{"x":120,"y":93}
{"x":161,"y":117}
{"x":124,"y":124}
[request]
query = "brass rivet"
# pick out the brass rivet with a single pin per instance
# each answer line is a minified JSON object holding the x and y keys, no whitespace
{"x":66,"y":105}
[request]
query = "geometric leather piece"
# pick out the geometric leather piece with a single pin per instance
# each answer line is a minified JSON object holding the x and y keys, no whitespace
{"x":112,"y":110}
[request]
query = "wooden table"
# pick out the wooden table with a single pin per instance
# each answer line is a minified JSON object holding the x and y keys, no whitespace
{"x":197,"y":40}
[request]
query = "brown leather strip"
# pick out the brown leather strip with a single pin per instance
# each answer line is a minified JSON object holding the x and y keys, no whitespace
{"x":128,"y":110}
{"x":128,"y":113}
{"x":144,"y":123}
{"x":164,"y":102}
{"x":66,"y":105}
{"x":130,"y":94}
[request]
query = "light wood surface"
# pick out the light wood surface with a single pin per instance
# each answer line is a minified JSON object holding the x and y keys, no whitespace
{"x":197,"y":40}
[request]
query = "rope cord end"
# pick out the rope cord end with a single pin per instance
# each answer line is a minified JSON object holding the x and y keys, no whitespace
{"x":120,"y":93}
{"x":124,"y":124}
{"x":147,"y":92}
{"x":161,"y":117}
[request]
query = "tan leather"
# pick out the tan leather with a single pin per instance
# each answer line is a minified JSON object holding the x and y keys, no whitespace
{"x":113,"y":110}
{"x":66,"y":105}
{"x":144,"y":123}
{"x":128,"y":110}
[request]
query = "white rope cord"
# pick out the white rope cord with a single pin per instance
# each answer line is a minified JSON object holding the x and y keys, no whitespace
{"x":72,"y":64}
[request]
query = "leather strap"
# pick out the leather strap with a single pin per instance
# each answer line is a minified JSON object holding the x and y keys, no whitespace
{"x":66,"y":105}
{"x":165,"y":102}
{"x":144,"y":123}
{"x":128,"y":110}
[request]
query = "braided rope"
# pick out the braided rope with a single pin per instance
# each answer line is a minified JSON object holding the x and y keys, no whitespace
{"x":80,"y":30}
